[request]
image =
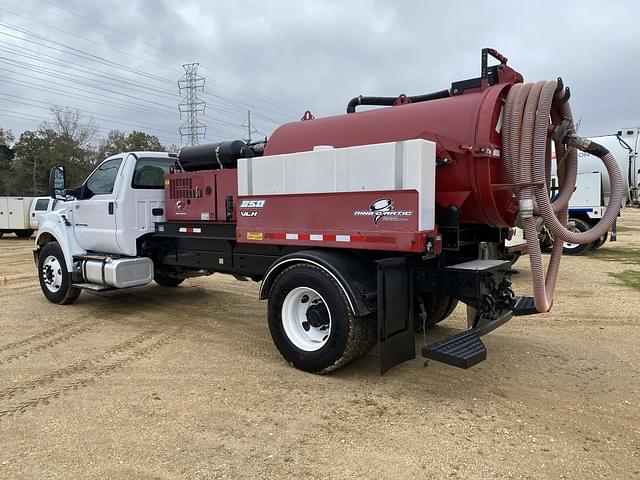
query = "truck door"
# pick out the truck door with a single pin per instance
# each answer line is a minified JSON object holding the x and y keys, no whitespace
{"x":143,"y":198}
{"x":94,"y":213}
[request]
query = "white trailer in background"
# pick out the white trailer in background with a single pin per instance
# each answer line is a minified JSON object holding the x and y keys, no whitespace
{"x":624,"y":145}
{"x":593,"y":187}
{"x":14,"y":216}
{"x":591,"y":196}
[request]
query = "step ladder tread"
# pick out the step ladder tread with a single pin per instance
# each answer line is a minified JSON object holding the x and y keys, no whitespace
{"x":462,"y":350}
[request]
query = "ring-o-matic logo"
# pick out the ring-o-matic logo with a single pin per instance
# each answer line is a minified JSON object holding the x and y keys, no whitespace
{"x":382,"y":209}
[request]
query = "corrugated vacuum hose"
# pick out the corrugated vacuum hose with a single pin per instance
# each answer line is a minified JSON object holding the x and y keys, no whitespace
{"x":535,"y":114}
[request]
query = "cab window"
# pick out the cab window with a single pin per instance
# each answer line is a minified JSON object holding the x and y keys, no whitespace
{"x":150,"y":172}
{"x":42,"y":204}
{"x":104,"y":177}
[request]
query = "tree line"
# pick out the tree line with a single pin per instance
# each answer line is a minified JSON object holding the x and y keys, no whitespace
{"x":67,"y":139}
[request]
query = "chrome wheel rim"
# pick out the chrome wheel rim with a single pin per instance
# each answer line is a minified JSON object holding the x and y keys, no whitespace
{"x":52,"y":274}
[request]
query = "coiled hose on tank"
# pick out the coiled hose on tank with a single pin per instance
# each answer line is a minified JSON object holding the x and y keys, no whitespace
{"x":531,"y":113}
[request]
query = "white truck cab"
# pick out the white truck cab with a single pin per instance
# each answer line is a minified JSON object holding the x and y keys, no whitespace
{"x":99,"y":224}
{"x":96,"y":210}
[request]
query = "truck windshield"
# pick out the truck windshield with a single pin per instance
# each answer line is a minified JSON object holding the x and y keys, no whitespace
{"x":150,"y":172}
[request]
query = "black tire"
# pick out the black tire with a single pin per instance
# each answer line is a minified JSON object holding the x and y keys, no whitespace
{"x":349,"y":337}
{"x":23,"y":233}
{"x":63,"y":292}
{"x":579,"y":226}
{"x":166,"y":280}
{"x":600,"y":242}
{"x":433,"y":308}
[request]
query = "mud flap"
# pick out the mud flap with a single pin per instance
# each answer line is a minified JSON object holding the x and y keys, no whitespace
{"x":396,"y":334}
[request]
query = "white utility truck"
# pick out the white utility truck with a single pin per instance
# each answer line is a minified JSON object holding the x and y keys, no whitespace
{"x":40,"y":206}
{"x":593,"y":187}
{"x":589,"y":201}
{"x":14,"y":216}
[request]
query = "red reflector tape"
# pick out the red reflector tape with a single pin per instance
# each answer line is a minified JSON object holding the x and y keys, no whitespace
{"x":190,"y":230}
{"x":275,"y":236}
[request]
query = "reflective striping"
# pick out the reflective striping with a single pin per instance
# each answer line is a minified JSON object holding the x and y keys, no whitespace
{"x":190,"y":230}
{"x":325,"y":237}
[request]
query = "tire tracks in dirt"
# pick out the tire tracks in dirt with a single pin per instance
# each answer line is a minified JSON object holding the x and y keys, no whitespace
{"x":48,"y":344}
{"x":93,"y":374}
{"x":39,"y":336}
{"x":226,"y":326}
{"x":76,"y":367}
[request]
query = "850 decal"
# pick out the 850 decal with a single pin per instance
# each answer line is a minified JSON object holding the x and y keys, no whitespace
{"x":252,"y":203}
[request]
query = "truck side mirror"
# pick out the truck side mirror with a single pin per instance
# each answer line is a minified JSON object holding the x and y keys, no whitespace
{"x":57,"y":183}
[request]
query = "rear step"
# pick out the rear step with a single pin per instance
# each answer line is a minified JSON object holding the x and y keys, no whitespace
{"x":463,"y":350}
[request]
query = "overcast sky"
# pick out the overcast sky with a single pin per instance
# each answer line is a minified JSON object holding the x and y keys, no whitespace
{"x":119,"y":61}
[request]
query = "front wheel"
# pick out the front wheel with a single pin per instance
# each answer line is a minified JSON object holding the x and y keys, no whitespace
{"x":578,"y":226}
{"x":55,"y":280}
{"x":311,"y":322}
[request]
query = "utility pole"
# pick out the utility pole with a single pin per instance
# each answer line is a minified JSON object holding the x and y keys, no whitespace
{"x":190,"y":83}
{"x":250,"y":131}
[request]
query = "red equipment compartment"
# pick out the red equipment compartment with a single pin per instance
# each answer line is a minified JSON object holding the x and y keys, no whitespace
{"x":373,"y":220}
{"x":200,"y":196}
{"x":466,"y":128}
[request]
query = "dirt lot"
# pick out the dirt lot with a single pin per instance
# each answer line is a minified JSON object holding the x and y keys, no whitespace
{"x":185,"y":383}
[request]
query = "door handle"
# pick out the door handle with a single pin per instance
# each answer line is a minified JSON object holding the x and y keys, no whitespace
{"x":110,"y":208}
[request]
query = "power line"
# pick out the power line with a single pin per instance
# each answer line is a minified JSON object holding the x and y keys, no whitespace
{"x":217,"y":74}
{"x":74,"y":78}
{"x":98,"y":115}
{"x":103,"y":78}
{"x":77,"y":51}
{"x":99,"y":91}
{"x":93,"y":99}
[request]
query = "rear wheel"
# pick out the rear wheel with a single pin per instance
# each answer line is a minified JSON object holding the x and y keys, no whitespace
{"x":165,"y":280}
{"x":55,"y":280}
{"x":430,"y":309}
{"x":311,"y":322}
{"x":23,"y":233}
{"x":600,"y":242}
{"x":578,"y":226}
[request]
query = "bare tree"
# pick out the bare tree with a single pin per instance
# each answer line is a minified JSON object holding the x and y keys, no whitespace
{"x":71,"y":123}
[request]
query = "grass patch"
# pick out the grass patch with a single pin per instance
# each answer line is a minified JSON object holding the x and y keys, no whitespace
{"x":630,"y":278}
{"x":624,"y":255}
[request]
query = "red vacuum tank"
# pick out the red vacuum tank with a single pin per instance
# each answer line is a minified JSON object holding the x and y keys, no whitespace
{"x":465,"y":125}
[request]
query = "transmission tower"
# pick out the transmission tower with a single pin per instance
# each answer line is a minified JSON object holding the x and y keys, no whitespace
{"x":190,"y":83}
{"x":250,"y":129}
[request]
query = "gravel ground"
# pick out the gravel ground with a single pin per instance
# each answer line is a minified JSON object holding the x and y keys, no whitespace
{"x":185,"y":383}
